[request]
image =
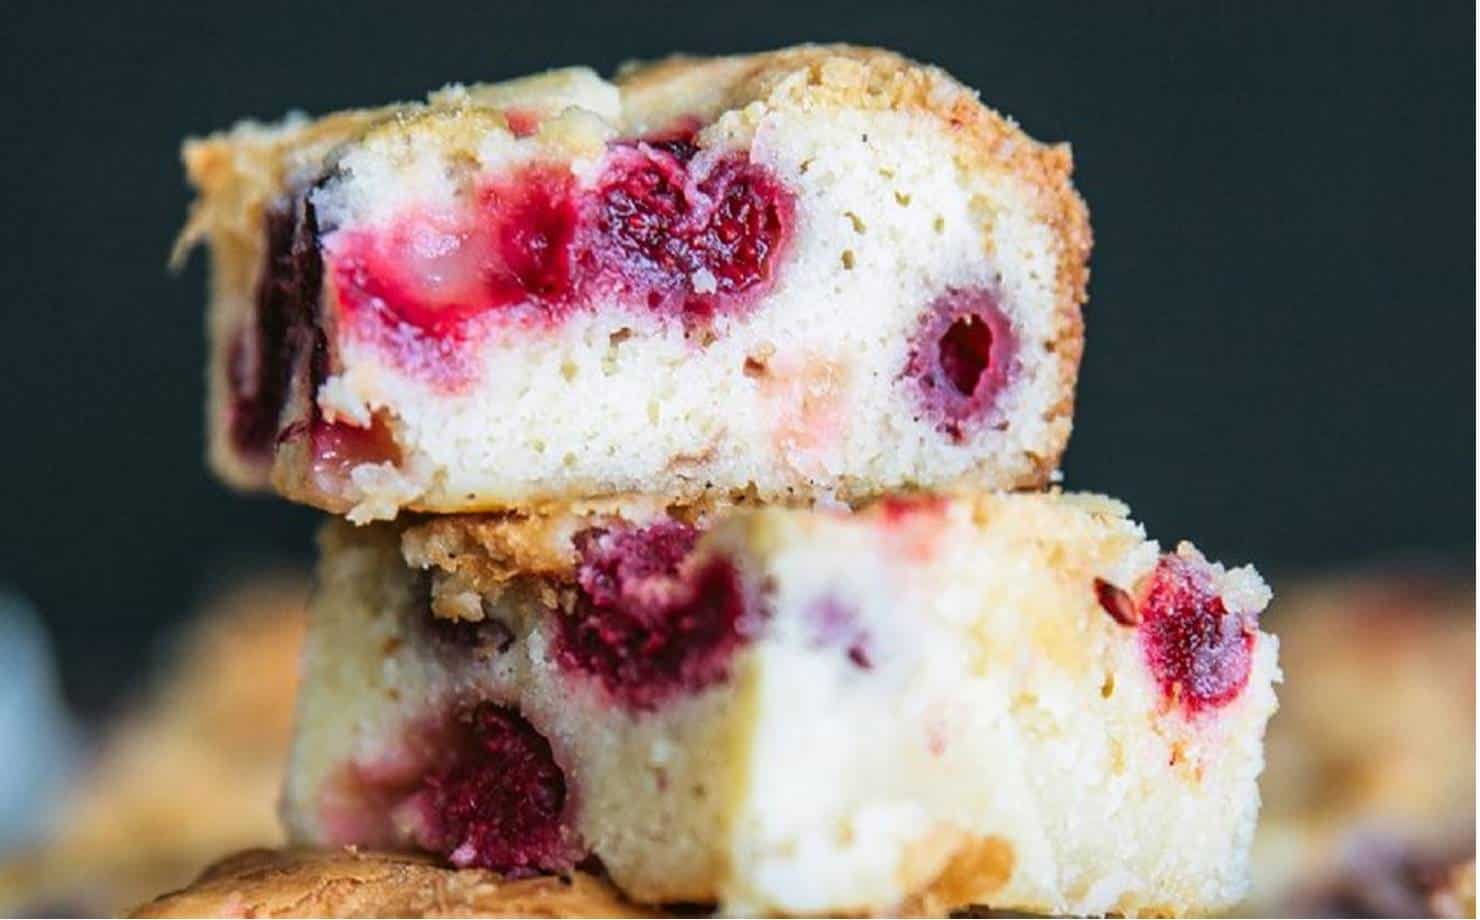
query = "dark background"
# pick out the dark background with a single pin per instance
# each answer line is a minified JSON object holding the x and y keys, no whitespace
{"x":1280,"y":358}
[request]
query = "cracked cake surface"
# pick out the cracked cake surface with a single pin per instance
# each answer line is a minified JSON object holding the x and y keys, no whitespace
{"x":822,"y":272}
{"x":1007,"y":700}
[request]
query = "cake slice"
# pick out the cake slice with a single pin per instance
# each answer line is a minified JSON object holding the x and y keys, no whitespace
{"x":1009,"y":700}
{"x":824,"y":271}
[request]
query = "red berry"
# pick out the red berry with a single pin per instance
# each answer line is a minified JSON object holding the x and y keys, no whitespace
{"x":643,"y":627}
{"x":684,"y":243}
{"x":496,"y":799}
{"x":964,"y":355}
{"x":1199,"y":651}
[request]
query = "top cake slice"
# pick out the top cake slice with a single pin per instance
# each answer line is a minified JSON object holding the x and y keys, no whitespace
{"x":823,"y":272}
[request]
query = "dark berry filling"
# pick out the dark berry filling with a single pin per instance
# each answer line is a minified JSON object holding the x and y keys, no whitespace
{"x":646,"y":626}
{"x":964,"y":355}
{"x":1199,"y":651}
{"x":494,"y":799}
{"x":259,"y":365}
{"x":483,"y":638}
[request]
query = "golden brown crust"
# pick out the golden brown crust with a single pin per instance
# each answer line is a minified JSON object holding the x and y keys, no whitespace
{"x":487,"y":550}
{"x":349,"y":883}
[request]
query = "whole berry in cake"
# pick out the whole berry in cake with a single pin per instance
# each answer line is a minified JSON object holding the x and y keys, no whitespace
{"x":963,"y":357}
{"x":1199,"y":651}
{"x":646,"y":626}
{"x":496,"y":799}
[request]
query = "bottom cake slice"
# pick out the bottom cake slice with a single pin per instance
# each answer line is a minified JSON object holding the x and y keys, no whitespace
{"x":1009,"y":700}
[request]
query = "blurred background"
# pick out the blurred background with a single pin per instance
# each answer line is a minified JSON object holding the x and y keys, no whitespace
{"x":1279,"y":362}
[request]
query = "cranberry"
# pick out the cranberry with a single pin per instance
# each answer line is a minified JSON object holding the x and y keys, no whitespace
{"x":1199,"y":652}
{"x":686,"y":243}
{"x":495,"y":800}
{"x":963,"y":357}
{"x":645,"y":628}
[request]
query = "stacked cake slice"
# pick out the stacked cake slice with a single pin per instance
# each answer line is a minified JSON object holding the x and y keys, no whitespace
{"x":691,"y":406}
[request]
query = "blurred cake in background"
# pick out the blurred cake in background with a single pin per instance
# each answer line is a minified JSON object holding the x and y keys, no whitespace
{"x":1369,"y":789}
{"x":189,"y":773}
{"x":349,"y":883}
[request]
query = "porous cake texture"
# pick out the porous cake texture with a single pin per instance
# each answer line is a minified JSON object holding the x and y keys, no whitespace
{"x":1006,"y":700}
{"x":823,"y":272}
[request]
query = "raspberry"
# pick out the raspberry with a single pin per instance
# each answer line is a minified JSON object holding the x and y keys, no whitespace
{"x":964,"y":355}
{"x":495,"y":800}
{"x":1199,"y":652}
{"x":642,"y":626}
{"x":531,"y":221}
{"x":686,"y":243}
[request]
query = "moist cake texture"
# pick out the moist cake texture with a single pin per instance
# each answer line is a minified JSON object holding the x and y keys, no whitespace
{"x":823,"y":272}
{"x":1006,"y":700}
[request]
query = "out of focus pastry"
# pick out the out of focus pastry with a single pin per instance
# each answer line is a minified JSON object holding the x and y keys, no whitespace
{"x":1369,"y":792}
{"x":349,"y":883}
{"x":189,"y":774}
